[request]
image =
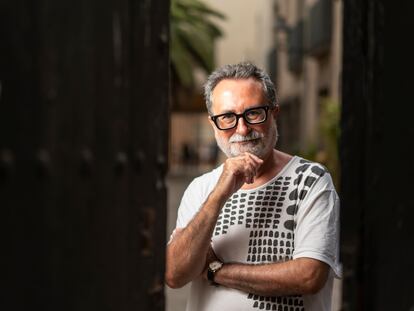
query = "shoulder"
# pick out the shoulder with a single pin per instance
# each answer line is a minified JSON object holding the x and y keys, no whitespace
{"x":205,"y":182}
{"x":309,"y":167}
{"x":195,"y":195}
{"x":311,"y":174}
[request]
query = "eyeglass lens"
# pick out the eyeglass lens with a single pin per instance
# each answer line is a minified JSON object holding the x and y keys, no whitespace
{"x":252,"y":116}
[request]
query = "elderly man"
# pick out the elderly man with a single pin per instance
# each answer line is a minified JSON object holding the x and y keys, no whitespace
{"x":260,"y":232}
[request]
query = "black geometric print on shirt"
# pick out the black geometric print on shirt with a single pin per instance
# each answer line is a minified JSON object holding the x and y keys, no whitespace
{"x":314,"y":172}
{"x":269,"y":246}
{"x":261,"y":211}
{"x":257,"y":210}
{"x":289,"y":303}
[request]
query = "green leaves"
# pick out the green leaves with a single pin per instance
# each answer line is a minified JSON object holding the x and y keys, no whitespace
{"x":193,"y":34}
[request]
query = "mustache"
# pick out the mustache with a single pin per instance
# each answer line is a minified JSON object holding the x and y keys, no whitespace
{"x":240,"y":138}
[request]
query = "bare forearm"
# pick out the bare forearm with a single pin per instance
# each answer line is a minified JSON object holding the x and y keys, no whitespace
{"x":187,"y":252}
{"x":294,"y":277}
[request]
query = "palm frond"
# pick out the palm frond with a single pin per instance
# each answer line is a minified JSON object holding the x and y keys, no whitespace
{"x":193,"y":33}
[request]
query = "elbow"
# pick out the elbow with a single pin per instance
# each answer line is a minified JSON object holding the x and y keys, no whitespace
{"x":312,"y":287}
{"x":174,"y":275}
{"x":172,"y":281}
{"x":314,"y":280}
{"x":173,"y":278}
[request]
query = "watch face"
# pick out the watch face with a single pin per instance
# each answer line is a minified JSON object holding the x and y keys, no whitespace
{"x":215,"y":265}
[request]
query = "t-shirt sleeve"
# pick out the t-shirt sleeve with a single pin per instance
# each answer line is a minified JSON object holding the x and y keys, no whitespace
{"x":195,"y":195}
{"x":188,"y":207}
{"x":190,"y":204}
{"x":317,"y":225}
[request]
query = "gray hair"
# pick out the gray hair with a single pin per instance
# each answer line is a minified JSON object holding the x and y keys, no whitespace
{"x":244,"y":70}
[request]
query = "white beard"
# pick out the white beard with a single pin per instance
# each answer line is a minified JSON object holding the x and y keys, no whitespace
{"x":259,"y":147}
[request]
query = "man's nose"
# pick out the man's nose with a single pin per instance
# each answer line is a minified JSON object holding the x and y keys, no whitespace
{"x":242,"y":127}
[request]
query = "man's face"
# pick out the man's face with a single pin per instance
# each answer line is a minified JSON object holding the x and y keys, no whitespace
{"x":237,"y":96}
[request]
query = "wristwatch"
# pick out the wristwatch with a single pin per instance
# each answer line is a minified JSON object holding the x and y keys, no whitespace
{"x":213,"y":267}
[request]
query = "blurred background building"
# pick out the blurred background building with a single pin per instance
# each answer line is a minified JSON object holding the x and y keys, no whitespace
{"x":307,"y":74}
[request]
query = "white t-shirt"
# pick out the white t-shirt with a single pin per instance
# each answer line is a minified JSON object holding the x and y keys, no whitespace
{"x":295,"y":214}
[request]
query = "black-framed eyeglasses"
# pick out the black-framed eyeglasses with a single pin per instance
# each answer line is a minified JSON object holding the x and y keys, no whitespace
{"x":229,"y":120}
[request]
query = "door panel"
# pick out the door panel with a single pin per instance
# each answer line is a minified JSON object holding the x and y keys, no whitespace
{"x":83,"y":147}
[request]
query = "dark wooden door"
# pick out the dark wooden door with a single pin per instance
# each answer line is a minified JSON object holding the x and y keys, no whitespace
{"x":83,"y":154}
{"x":376,"y":157}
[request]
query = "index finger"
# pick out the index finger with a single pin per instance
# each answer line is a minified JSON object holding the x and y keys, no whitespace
{"x":255,"y":158}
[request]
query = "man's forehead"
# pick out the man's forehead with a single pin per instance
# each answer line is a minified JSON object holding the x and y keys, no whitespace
{"x":232,"y":92}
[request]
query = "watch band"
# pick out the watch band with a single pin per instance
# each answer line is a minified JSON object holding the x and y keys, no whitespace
{"x":210,"y":276}
{"x":213,"y":267}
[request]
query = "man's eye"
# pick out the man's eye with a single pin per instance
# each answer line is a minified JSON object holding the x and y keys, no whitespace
{"x":253,"y":113}
{"x":227,"y":116}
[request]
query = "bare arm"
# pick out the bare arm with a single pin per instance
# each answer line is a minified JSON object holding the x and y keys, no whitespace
{"x":187,"y":252}
{"x":302,"y":276}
